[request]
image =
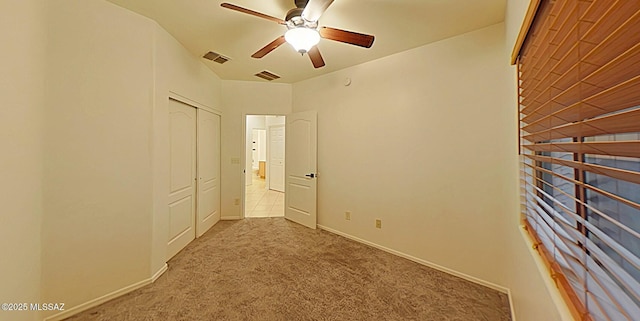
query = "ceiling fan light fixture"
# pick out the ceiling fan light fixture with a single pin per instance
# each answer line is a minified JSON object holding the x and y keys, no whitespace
{"x":302,"y":38}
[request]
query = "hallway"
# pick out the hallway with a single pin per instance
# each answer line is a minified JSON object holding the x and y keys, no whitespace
{"x":260,"y":202}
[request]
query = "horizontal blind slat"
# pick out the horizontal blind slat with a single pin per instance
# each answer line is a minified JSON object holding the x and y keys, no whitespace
{"x":611,"y":148}
{"x":609,"y":285}
{"x":593,"y":64}
{"x":621,"y":250}
{"x":624,"y":122}
{"x":560,"y":33}
{"x":619,"y":97}
{"x":581,"y":184}
{"x":621,"y":174}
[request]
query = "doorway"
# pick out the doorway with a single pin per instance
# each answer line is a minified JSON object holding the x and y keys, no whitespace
{"x":264,"y":166}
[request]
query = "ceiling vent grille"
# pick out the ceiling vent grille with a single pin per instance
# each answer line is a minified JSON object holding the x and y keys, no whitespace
{"x":267,"y":75}
{"x":216,"y":57}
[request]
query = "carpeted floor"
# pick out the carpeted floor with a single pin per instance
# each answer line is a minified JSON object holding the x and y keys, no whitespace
{"x":273,"y":269}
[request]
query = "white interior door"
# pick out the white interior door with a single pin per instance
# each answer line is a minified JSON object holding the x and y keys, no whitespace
{"x":275,"y":175}
{"x":301,"y":168}
{"x":208,"y":171}
{"x":182,"y":176}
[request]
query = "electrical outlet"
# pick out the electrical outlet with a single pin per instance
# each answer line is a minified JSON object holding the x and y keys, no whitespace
{"x":347,"y":215}
{"x":378,"y":223}
{"x":236,"y":201}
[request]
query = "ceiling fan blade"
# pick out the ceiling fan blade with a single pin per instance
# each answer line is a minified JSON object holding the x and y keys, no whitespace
{"x":269,"y":48}
{"x":315,"y":8}
{"x":316,"y":57}
{"x":251,"y":12}
{"x":350,"y":37}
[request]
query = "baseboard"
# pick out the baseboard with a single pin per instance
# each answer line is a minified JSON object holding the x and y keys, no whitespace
{"x":229,"y":218}
{"x":159,"y":273}
{"x":420,"y":261}
{"x":511,"y":307}
{"x":438,"y":267}
{"x":109,"y":296}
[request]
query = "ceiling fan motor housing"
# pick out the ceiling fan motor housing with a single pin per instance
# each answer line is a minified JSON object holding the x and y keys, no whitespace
{"x":294,"y":19}
{"x":294,"y":13}
{"x":301,"y":3}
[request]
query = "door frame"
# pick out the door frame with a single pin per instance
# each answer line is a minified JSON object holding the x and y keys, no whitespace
{"x":243,"y":157}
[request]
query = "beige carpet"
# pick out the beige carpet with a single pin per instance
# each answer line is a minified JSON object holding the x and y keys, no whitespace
{"x":272,"y":269}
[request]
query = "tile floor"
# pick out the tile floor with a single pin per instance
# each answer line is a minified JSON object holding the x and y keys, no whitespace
{"x":260,"y":202}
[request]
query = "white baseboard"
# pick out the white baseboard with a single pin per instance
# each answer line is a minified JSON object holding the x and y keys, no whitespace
{"x":420,"y":261}
{"x":109,"y":296}
{"x":438,"y":267}
{"x":511,"y":307}
{"x":159,"y":273}
{"x":229,"y":218}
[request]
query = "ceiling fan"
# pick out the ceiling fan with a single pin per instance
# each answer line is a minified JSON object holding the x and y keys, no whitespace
{"x":303,"y":32}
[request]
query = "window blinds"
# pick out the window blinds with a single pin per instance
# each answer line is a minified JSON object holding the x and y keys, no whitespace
{"x":579,"y":88}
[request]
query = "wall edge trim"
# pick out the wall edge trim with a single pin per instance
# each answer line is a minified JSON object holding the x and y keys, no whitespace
{"x":109,"y":296}
{"x":511,"y":305}
{"x":159,"y":273}
{"x":438,"y":267}
{"x":176,"y":96}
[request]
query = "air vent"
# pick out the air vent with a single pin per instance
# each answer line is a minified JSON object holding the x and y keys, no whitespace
{"x":267,"y":75}
{"x":214,"y":56}
{"x":221,"y":59}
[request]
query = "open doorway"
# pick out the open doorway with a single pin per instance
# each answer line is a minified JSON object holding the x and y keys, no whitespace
{"x":264,"y":166}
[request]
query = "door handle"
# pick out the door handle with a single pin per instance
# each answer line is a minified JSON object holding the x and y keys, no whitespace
{"x":312,"y":175}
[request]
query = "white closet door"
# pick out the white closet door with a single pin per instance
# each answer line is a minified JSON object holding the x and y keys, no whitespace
{"x":208,"y":171}
{"x":182,"y":173}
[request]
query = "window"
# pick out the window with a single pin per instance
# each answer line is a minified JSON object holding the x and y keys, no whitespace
{"x":579,"y":86}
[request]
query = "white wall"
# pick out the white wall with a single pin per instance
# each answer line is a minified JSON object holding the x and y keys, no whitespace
{"x":275,"y":120}
{"x":425,"y":140}
{"x":421,"y":140}
{"x":110,"y":73}
{"x":241,"y":98}
{"x":98,"y":180}
{"x":22,"y":70}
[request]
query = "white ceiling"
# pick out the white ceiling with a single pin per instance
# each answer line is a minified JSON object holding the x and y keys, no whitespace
{"x":398,"y":25}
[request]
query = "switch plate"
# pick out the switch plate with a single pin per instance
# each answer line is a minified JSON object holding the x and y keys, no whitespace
{"x":347,"y":215}
{"x":236,"y":201}
{"x":378,"y":223}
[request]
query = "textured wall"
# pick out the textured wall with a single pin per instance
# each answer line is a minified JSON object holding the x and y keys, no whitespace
{"x":22,"y":80}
